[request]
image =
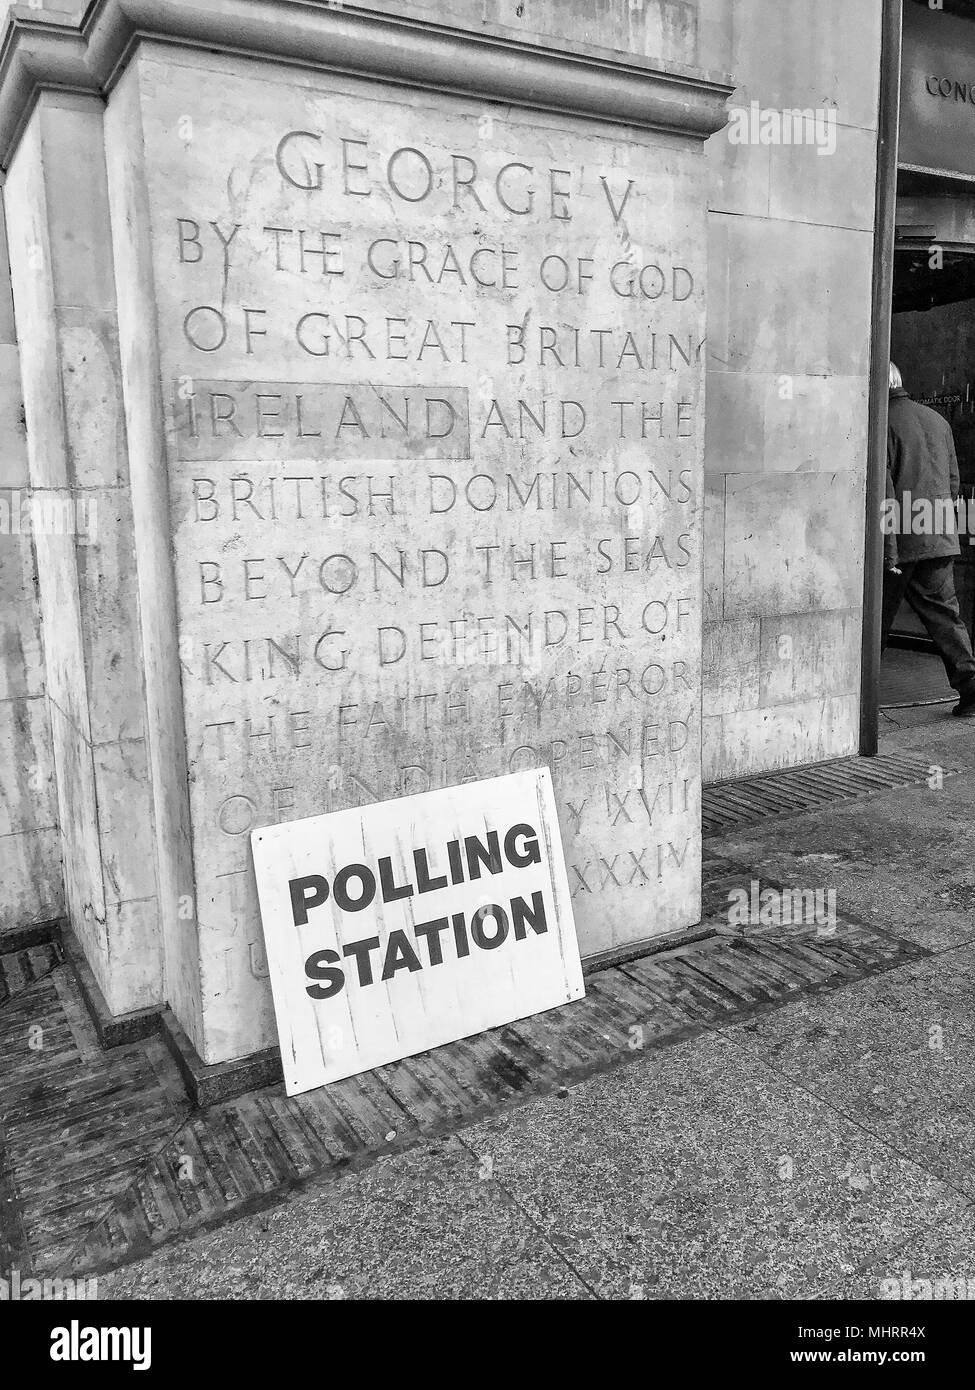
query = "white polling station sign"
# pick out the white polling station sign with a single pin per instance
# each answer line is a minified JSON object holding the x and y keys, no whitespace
{"x":395,"y":927}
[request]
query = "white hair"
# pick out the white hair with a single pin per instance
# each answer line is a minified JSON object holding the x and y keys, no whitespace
{"x":895,"y":381}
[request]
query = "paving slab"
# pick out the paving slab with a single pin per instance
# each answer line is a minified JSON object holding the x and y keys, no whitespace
{"x":936,"y":1264}
{"x":904,"y":861}
{"x":892,"y":1057}
{"x":429,"y":1224}
{"x":701,"y":1173}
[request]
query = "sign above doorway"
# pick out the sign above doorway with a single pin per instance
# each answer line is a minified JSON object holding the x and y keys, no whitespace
{"x":937,"y":120}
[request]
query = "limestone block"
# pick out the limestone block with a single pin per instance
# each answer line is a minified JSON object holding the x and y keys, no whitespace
{"x":715,"y":38}
{"x":178,"y":896}
{"x":105,"y":561}
{"x":77,"y":806}
{"x":60,"y":240}
{"x":27,"y":796}
{"x":793,"y":543}
{"x":30,"y":862}
{"x":8,"y":335}
{"x":657,"y":28}
{"x":787,"y":298}
{"x":731,"y":666}
{"x":25,"y":204}
{"x":93,"y":414}
{"x":233,"y":965}
{"x":714,"y":513}
{"x":61,"y":621}
{"x":13,"y":448}
{"x":788,"y":53}
{"x":740,"y":176}
{"x":809,"y":654}
{"x":78,"y":230}
{"x":350,"y":586}
{"x":125,"y":831}
{"x":753,"y":741}
{"x":21,"y":650}
{"x":30,"y":866}
{"x":132,"y":933}
{"x":835,"y":189}
{"x":783,"y":423}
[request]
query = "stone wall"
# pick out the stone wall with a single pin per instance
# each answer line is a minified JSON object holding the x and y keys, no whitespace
{"x":30,"y":859}
{"x":31,"y":879}
{"x":64,"y":303}
{"x":433,"y":484}
{"x":665,"y":30}
{"x":789,"y":343}
{"x":142,"y":698}
{"x":791,"y":243}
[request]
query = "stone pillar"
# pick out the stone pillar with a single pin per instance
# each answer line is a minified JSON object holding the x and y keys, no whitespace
{"x":64,"y":300}
{"x":31,"y":883}
{"x":30,"y":859}
{"x":410,"y":324}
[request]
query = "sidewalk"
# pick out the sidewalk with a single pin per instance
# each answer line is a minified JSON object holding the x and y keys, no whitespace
{"x":778,"y":1113}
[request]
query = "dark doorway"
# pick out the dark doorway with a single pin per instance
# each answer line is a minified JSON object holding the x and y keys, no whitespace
{"x":933,"y":344}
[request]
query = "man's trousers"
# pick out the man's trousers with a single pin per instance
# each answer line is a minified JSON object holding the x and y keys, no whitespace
{"x":929,"y":587}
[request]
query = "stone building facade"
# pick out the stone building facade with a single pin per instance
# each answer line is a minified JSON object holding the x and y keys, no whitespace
{"x":100,"y":784}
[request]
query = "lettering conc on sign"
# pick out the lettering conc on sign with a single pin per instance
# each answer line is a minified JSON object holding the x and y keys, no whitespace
{"x":395,"y":927}
{"x":937,"y":117}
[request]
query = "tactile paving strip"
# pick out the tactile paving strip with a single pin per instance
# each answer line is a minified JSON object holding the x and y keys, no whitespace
{"x":727,"y":805}
{"x":245,"y":1153}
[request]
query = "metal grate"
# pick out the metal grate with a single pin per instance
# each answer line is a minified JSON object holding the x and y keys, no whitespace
{"x":76,"y":1124}
{"x":18,"y":969}
{"x":726,"y":805}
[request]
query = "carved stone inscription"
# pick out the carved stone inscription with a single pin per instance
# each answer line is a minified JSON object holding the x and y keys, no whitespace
{"x":433,"y":389}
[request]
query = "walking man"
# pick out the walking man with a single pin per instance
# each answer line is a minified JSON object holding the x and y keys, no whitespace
{"x":919,"y":555}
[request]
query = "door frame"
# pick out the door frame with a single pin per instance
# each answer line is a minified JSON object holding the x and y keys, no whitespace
{"x":885,"y":209}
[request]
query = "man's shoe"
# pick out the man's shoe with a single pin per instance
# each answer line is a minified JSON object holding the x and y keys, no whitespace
{"x":966,"y":708}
